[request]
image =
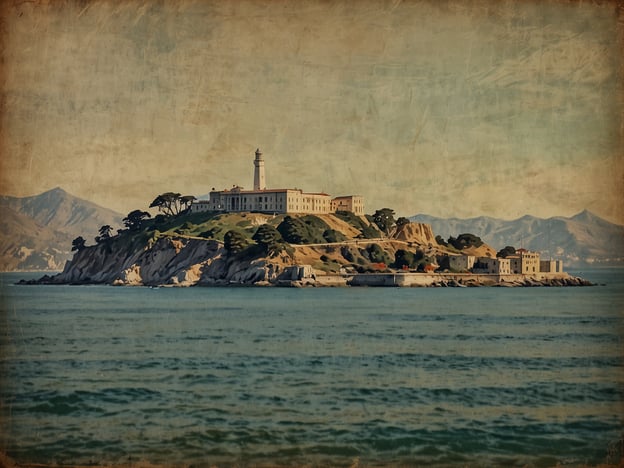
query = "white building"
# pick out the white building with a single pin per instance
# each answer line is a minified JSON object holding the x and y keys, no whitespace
{"x":290,"y":200}
{"x":525,"y":262}
{"x":353,"y":203}
{"x":492,"y":266}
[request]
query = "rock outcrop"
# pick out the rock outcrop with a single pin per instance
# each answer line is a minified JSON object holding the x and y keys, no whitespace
{"x":175,"y":261}
{"x":418,"y":233}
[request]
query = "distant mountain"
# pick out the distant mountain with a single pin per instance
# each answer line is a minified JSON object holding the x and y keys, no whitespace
{"x":36,"y":232}
{"x":583,"y":239}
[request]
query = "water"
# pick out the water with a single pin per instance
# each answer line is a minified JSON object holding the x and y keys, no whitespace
{"x":246,"y":376}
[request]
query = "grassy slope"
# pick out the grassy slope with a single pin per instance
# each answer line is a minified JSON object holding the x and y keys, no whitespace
{"x":356,"y":252}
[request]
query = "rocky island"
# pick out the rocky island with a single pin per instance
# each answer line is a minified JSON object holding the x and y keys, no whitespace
{"x":288,"y":237}
{"x":338,"y":249}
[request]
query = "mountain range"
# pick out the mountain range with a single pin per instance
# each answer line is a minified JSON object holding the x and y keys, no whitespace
{"x":581,"y":240}
{"x":36,"y":232}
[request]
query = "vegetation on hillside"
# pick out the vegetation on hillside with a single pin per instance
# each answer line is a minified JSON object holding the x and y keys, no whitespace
{"x":367,"y":230}
{"x":384,"y":219}
{"x":464,"y":241}
{"x":247,"y":235}
{"x":506,"y":251}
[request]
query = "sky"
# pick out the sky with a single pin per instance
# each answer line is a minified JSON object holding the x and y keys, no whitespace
{"x":449,"y":108}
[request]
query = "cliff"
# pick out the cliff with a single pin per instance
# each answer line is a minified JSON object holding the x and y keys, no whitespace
{"x":178,"y":261}
{"x":226,"y":249}
{"x":419,"y":233}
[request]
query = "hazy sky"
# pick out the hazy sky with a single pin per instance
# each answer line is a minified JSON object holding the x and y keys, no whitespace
{"x":450,"y":108}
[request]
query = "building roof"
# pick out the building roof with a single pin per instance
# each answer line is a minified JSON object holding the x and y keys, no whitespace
{"x":240,"y":190}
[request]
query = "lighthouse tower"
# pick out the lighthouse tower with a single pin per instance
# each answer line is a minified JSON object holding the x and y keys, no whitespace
{"x":259,"y":180}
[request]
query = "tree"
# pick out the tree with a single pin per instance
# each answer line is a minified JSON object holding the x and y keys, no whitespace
{"x":171,"y":203}
{"x":78,"y":244}
{"x":506,"y":252}
{"x":402,"y":221}
{"x":268,"y":237}
{"x":440,"y":240}
{"x":186,"y":201}
{"x":465,"y":240}
{"x":331,"y":235}
{"x":104,"y":233}
{"x":404,"y":258}
{"x":234,"y":242}
{"x":294,"y":230}
{"x":384,"y":219}
{"x":134,"y":220}
{"x":377,"y":255}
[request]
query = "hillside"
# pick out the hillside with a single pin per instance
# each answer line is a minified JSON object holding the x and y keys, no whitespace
{"x":247,"y":248}
{"x":36,"y":232}
{"x":583,"y":239}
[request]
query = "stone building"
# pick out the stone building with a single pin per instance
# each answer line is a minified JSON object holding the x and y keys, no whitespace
{"x":288,"y":200}
{"x":461,"y":262}
{"x":492,"y":266}
{"x":551,"y":266}
{"x":525,"y":262}
{"x":353,"y":203}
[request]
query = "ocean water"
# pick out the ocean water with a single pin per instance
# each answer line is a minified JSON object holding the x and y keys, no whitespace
{"x":368,"y":376}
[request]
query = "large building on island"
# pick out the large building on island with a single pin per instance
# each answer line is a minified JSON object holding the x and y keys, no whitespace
{"x":288,"y":200}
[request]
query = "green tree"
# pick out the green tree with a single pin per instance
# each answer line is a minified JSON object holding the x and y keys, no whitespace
{"x":234,"y":242}
{"x":134,"y":220}
{"x":78,"y":244}
{"x":377,"y":255}
{"x":384,"y":219}
{"x":186,"y":201}
{"x":440,"y":240}
{"x":403,"y":258}
{"x":465,"y":240}
{"x":331,"y":235}
{"x":268,"y":238}
{"x":402,"y":221}
{"x":294,"y":230}
{"x":171,"y":203}
{"x":506,"y":251}
{"x":409,"y":259}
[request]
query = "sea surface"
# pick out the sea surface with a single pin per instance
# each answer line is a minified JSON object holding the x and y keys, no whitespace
{"x":340,"y":377}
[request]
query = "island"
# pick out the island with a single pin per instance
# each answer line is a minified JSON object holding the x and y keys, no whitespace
{"x":288,"y":237}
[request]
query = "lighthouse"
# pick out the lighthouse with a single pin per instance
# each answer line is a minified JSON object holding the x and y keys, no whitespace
{"x":259,"y":180}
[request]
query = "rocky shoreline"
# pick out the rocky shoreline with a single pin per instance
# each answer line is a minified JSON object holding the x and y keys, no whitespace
{"x":435,"y":280}
{"x":185,"y":261}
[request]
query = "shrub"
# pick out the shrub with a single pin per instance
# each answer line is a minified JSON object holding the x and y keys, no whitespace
{"x":369,"y":232}
{"x":378,"y":255}
{"x":440,"y":240}
{"x":294,"y":230}
{"x":331,"y":235}
{"x":347,"y":254}
{"x":269,"y":238}
{"x":235,"y":242}
{"x":404,"y":258}
{"x":465,"y":240}
{"x":366,"y":231}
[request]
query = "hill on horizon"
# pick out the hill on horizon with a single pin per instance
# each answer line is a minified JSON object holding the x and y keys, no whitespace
{"x":581,"y":240}
{"x":36,"y":232}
